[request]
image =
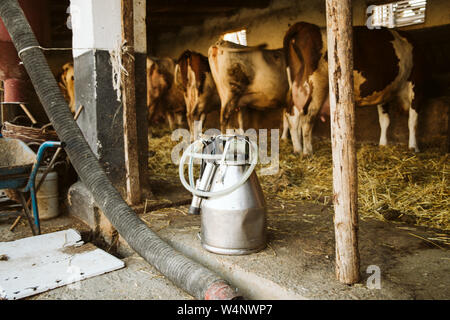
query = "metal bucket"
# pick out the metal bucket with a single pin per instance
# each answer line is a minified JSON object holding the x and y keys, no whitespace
{"x":234,"y":224}
{"x":47,"y":196}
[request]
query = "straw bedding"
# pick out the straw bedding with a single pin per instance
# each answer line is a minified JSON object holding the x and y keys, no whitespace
{"x":394,"y":183}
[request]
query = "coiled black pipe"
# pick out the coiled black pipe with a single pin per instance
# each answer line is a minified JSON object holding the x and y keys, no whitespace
{"x":185,"y":273}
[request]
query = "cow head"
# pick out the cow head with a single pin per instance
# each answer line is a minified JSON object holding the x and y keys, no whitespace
{"x":159,"y":77}
{"x":159,"y":81}
{"x":190,"y":75}
{"x":67,"y":84}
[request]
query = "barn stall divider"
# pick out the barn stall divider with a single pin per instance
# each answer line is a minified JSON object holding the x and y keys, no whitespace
{"x":192,"y":277}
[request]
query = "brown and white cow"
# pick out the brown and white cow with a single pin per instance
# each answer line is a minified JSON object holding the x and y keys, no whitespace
{"x":163,"y":94}
{"x":252,"y":77}
{"x":66,"y":82}
{"x":383,"y":71}
{"x":193,"y":74}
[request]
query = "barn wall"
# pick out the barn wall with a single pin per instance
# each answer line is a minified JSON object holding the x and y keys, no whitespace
{"x":263,"y":26}
{"x":270,"y":24}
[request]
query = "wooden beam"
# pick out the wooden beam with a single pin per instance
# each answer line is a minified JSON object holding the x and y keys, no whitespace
{"x":168,"y":5}
{"x":194,"y":10}
{"x":179,"y":16}
{"x":129,"y":106}
{"x":342,"y":109}
{"x":178,"y":20}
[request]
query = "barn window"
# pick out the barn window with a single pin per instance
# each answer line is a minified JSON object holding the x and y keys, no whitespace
{"x":397,"y":14}
{"x":239,"y":37}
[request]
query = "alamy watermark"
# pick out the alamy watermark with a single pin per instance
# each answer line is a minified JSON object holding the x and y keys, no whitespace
{"x":374,"y":280}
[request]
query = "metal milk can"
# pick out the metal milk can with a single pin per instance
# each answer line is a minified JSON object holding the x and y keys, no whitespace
{"x":227,"y":194}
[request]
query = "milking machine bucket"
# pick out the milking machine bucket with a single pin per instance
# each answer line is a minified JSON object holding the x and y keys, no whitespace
{"x":227,"y":194}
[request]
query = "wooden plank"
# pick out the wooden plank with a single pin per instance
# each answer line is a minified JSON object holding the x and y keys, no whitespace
{"x":41,"y":263}
{"x":129,"y":106}
{"x":3,"y":111}
{"x":342,"y":115}
{"x":140,"y":63}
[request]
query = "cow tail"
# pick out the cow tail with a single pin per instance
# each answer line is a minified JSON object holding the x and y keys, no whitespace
{"x":183,"y":62}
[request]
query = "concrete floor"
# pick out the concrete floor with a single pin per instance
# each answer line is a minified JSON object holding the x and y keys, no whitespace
{"x":298,"y":262}
{"x":137,"y":281}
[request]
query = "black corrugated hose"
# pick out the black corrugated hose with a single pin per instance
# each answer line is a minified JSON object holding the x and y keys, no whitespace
{"x":192,"y":277}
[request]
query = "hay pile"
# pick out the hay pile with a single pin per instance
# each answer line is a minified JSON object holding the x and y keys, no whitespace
{"x":160,"y":146}
{"x":394,"y":183}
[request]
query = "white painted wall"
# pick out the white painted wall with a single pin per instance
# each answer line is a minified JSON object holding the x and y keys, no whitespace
{"x":96,"y":24}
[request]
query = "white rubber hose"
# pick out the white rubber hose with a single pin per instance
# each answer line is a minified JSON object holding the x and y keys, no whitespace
{"x":209,"y":194}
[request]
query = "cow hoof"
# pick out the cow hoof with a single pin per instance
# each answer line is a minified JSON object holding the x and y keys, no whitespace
{"x":414,"y":149}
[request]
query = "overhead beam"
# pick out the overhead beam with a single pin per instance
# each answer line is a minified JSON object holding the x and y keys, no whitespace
{"x":168,"y":5}
{"x":178,"y":20}
{"x":155,"y":30}
{"x":342,"y":115}
{"x":193,"y":10}
{"x":191,"y":14}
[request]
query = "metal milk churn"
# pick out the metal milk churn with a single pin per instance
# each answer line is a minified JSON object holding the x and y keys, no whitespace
{"x":227,"y":194}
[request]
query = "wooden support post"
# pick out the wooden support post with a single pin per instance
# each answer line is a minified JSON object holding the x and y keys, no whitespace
{"x":342,"y":108}
{"x":129,"y":106}
{"x":2,"y":107}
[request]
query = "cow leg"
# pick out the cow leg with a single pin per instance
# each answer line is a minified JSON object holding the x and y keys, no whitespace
{"x":383,"y":118}
{"x":412,"y":125}
{"x":190,"y":122}
{"x":294,"y":126}
{"x":284,"y":136}
{"x":409,"y":100}
{"x":179,"y":119}
{"x":171,"y":121}
{"x":151,"y":112}
{"x":198,"y":126}
{"x":240,"y":116}
{"x":307,"y":126}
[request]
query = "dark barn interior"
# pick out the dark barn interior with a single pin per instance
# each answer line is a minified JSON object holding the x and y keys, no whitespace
{"x":166,"y":19}
{"x":172,"y":21}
